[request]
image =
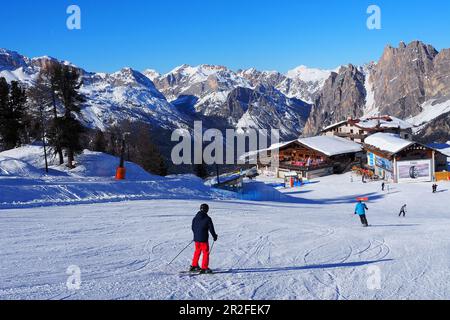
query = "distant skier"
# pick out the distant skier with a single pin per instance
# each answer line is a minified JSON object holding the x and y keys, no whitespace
{"x":403,"y":211}
{"x":383,"y":185}
{"x":201,"y":225}
{"x":361,"y":211}
{"x":435,"y":186}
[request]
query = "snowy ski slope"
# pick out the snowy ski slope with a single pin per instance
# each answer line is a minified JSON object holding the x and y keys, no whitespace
{"x":308,"y":245}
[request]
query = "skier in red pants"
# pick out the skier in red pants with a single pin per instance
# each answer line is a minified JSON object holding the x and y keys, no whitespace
{"x":201,"y":226}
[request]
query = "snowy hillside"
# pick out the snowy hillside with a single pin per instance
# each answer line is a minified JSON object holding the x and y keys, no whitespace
{"x":24,"y":183}
{"x":111,"y":98}
{"x":308,"y":245}
{"x":431,"y":110}
{"x":126,"y":95}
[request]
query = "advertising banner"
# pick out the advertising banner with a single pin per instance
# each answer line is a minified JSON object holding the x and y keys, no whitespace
{"x":414,"y":171}
{"x":383,"y":163}
{"x":371,"y":159}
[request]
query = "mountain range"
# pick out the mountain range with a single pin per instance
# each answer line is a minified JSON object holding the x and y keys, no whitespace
{"x":411,"y":82}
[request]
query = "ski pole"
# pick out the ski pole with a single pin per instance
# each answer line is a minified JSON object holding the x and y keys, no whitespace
{"x":212,"y":247}
{"x":180,"y":253}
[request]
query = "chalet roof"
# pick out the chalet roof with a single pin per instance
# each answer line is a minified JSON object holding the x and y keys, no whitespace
{"x":335,"y":125}
{"x":443,"y":148}
{"x":388,"y":142}
{"x":331,"y":146}
{"x":383,"y":122}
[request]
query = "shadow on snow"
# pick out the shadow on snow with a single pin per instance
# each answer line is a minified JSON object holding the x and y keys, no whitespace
{"x":261,"y":192}
{"x":300,"y":268}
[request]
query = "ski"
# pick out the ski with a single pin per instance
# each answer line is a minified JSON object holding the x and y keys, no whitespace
{"x":197,"y":273}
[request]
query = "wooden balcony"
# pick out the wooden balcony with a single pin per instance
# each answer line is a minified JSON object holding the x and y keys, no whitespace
{"x":346,"y":135}
{"x":293,"y":167}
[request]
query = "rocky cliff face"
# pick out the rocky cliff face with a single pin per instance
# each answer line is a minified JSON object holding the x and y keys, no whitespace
{"x":267,"y":108}
{"x":302,"y":82}
{"x":400,"y":78}
{"x":223,"y":98}
{"x":438,"y":85}
{"x":342,"y":96}
{"x":402,"y":83}
{"x":198,"y":81}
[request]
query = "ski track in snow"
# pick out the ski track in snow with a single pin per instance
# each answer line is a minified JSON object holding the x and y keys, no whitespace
{"x":312,"y":249}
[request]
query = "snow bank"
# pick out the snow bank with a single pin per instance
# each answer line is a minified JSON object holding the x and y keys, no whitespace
{"x":29,"y":161}
{"x":14,"y":167}
{"x":97,"y":164}
{"x":24,"y":183}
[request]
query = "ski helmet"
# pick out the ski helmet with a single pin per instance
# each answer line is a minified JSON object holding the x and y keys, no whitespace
{"x":204,"y":208}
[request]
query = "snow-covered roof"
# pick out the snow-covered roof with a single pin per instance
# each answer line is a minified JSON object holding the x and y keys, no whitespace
{"x":384,"y":122}
{"x":331,"y":146}
{"x":374,"y":122}
{"x":389,"y":142}
{"x":443,"y":148}
{"x":337,"y":124}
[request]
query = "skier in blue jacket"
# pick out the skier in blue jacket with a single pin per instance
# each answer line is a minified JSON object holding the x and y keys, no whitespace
{"x":361,"y":211}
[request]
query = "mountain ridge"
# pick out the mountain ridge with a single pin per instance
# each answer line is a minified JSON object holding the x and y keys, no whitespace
{"x":403,"y":83}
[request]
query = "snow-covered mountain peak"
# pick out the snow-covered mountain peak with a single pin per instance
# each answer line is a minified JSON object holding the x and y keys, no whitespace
{"x":307,"y":74}
{"x":198,"y":73}
{"x":198,"y":81}
{"x":11,"y":60}
{"x":151,"y":74}
{"x":129,"y":77}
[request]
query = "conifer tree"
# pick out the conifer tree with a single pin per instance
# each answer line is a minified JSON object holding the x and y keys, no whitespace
{"x":12,"y":113}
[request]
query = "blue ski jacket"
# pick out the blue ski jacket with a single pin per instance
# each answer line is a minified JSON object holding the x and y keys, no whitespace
{"x":361,"y":209}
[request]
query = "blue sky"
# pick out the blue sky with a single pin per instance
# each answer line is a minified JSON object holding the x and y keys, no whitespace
{"x":270,"y":35}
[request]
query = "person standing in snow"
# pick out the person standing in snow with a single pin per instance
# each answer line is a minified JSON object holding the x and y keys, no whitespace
{"x":360,"y":210}
{"x":202,"y":225}
{"x":435,"y":186}
{"x":403,"y":211}
{"x":382,"y":186}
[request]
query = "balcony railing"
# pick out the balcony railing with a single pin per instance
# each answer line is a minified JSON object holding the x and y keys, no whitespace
{"x":294,"y":167}
{"x":350,"y":135}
